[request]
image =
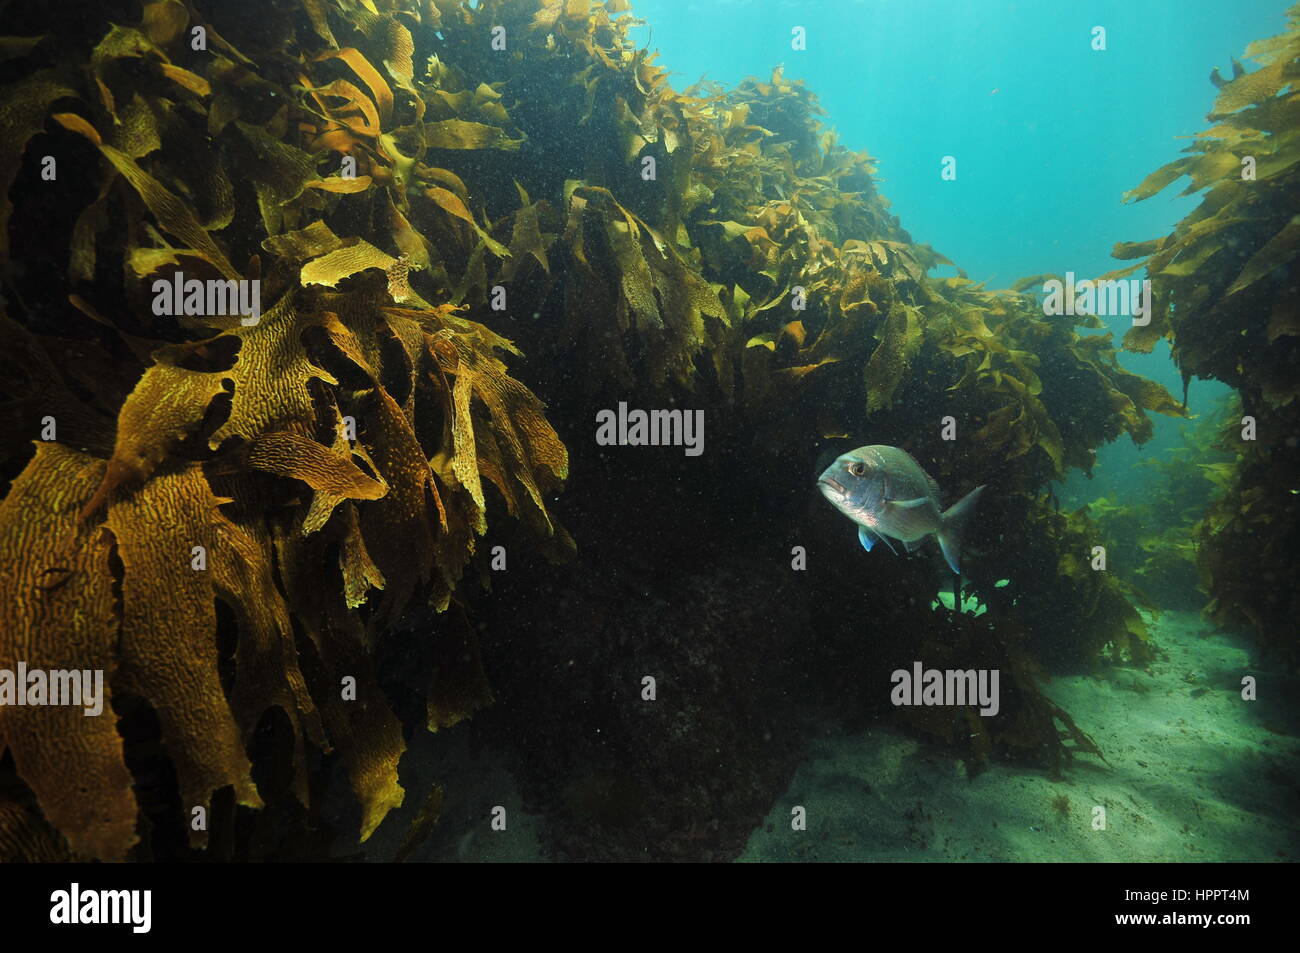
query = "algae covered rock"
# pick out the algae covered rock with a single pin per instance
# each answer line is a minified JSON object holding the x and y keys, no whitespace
{"x":320,"y":288}
{"x":1224,"y":286}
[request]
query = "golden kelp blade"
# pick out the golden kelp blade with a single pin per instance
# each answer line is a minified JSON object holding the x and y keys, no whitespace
{"x":168,"y":644}
{"x":58,"y":581}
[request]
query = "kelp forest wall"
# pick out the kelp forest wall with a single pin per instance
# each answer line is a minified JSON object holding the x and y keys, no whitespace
{"x":300,"y":535}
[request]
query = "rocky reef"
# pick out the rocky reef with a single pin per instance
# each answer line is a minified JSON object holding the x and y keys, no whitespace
{"x":472,"y":228}
{"x":1224,"y":284}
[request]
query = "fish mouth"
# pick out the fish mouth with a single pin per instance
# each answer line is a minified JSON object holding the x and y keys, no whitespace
{"x":833,"y":484}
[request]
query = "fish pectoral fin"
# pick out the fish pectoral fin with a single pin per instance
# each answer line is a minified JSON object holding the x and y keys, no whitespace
{"x":868,"y":538}
{"x":908,"y":504}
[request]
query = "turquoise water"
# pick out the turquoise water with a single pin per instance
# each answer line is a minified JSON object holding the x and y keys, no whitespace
{"x":1044,"y":160}
{"x":1048,"y":134}
{"x":369,"y":498}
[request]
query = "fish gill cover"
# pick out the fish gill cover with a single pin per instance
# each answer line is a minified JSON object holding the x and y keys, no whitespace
{"x":232,"y":513}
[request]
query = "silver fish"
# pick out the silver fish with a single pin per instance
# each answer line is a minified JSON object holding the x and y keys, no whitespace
{"x":887,"y":494}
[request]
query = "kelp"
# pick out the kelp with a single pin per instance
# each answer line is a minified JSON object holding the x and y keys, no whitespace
{"x":338,"y":459}
{"x":1223,"y":284}
{"x":809,"y":313}
{"x":1220,"y":278}
{"x":1246,"y":542}
{"x":227,"y":535}
{"x":1028,"y":726}
{"x":1152,"y":541}
{"x":757,"y":261}
{"x":1105,"y":615}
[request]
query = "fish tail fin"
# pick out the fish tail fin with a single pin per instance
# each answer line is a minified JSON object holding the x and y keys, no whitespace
{"x":952,"y":527}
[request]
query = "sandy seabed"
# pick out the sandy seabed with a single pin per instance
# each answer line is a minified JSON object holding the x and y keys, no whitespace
{"x":1193,"y":773}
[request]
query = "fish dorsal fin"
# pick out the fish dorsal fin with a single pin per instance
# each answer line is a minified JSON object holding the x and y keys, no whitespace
{"x":929,"y":480}
{"x":934,"y":487}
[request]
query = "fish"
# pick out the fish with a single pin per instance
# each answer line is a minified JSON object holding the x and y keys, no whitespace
{"x":887,"y":494}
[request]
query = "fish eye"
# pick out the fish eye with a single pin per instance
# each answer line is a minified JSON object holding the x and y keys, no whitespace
{"x":857,"y":469}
